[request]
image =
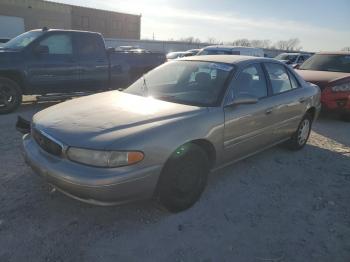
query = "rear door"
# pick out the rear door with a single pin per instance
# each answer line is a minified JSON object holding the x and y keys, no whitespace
{"x":56,"y":69}
{"x":93,"y":62}
{"x":287,"y":99}
{"x":248,"y":127}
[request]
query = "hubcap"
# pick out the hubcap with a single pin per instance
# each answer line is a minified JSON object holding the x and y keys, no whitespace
{"x":303,"y":132}
{"x":6,"y":96}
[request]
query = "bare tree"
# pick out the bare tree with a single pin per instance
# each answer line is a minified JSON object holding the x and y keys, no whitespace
{"x":346,"y":49}
{"x":260,"y":43}
{"x":190,"y":40}
{"x":242,"y":42}
{"x":212,"y":41}
{"x":292,"y":44}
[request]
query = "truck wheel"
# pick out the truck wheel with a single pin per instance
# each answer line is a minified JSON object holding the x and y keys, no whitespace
{"x":183,"y":178}
{"x":10,"y":95}
{"x":300,"y":137}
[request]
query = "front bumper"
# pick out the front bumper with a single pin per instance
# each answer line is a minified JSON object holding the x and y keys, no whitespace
{"x":100,"y":186}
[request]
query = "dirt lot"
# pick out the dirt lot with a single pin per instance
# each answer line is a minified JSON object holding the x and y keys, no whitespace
{"x":275,"y":206}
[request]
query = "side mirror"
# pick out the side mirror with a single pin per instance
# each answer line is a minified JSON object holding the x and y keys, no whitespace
{"x":41,"y":50}
{"x":243,"y":100}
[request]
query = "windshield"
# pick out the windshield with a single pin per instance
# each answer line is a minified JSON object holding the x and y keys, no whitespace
{"x":174,"y":55}
{"x":290,"y":58}
{"x":22,"y":40}
{"x":185,"y":82}
{"x":215,"y":52}
{"x":324,"y":62}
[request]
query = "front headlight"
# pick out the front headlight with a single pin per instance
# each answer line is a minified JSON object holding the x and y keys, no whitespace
{"x":341,"y":88}
{"x":107,"y":159}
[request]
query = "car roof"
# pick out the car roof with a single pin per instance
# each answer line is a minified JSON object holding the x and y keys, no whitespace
{"x":228,"y":47}
{"x":228,"y":59}
{"x":334,"y":53}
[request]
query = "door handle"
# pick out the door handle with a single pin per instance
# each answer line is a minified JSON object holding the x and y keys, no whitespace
{"x":269,"y":111}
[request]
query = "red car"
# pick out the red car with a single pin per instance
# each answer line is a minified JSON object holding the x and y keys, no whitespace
{"x":331,"y":72}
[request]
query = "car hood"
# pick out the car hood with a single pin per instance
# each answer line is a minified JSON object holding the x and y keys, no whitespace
{"x":98,"y":120}
{"x":8,"y":55}
{"x":321,"y":78}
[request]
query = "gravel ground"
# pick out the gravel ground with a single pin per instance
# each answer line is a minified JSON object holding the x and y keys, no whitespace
{"x":275,"y":206}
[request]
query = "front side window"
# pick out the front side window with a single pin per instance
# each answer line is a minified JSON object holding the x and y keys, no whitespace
{"x":278,"y":77}
{"x":60,"y":44}
{"x":185,"y":82}
{"x":251,"y":81}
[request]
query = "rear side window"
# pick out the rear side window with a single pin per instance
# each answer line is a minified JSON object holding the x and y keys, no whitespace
{"x":279,"y":78}
{"x":293,"y":81}
{"x":251,"y":81}
{"x":90,"y":46}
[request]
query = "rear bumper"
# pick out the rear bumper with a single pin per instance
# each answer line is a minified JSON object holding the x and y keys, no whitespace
{"x":336,"y":102}
{"x":100,"y":186}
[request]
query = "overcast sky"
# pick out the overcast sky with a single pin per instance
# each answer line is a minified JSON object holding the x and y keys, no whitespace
{"x":319,"y":24}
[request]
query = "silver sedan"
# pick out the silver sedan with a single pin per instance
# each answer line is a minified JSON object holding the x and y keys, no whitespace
{"x":162,"y":136}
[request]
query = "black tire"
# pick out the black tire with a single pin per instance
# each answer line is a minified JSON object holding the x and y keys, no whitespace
{"x":301,"y":135}
{"x":10,"y":95}
{"x":183,"y":178}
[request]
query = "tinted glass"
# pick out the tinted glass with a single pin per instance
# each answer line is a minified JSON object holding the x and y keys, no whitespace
{"x":252,"y":81}
{"x":185,"y":82}
{"x":217,"y":52}
{"x":325,"y":62}
{"x":60,"y":44}
{"x":279,"y":78}
{"x":90,"y":46}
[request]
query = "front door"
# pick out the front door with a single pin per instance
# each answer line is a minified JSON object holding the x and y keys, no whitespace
{"x":52,"y":65}
{"x":247,"y":127}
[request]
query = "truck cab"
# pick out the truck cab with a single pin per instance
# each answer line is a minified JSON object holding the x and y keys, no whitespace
{"x":46,"y":61}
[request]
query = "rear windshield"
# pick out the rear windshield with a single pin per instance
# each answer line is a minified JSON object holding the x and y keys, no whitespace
{"x":325,"y":62}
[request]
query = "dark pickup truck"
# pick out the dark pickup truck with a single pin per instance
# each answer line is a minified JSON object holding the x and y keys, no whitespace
{"x":41,"y":62}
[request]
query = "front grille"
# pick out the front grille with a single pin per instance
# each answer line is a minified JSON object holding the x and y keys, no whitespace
{"x":46,"y":143}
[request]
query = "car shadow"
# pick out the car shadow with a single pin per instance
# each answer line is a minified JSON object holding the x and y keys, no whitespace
{"x":333,"y":127}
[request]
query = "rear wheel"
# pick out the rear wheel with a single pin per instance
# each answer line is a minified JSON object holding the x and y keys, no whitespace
{"x":10,"y":96}
{"x":300,"y":137}
{"x":183,"y":178}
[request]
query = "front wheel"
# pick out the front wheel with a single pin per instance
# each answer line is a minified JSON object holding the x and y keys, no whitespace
{"x":183,"y":178}
{"x":10,"y":96}
{"x":300,"y":137}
